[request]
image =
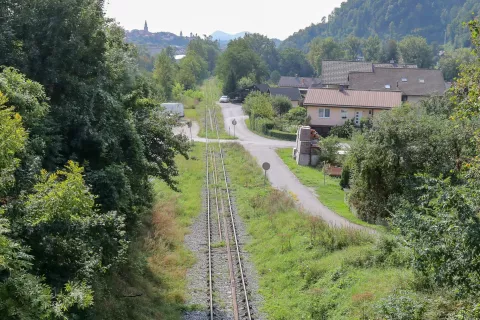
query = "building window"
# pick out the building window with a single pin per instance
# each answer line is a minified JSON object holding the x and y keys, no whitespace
{"x":344,"y":114}
{"x":370,"y":112}
{"x":421,"y":80}
{"x":404,"y":79}
{"x":324,"y":113}
{"x":387,"y":86}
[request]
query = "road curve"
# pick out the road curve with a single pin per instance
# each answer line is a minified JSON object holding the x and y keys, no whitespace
{"x":280,"y":176}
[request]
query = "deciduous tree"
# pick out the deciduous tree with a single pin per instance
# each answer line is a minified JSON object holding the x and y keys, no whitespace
{"x":324,"y":49}
{"x":415,"y":50}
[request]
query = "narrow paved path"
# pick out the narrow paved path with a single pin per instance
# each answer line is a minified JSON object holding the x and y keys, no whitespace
{"x":280,"y":176}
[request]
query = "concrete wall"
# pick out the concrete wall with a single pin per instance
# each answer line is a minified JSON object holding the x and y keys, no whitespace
{"x":336,"y":115}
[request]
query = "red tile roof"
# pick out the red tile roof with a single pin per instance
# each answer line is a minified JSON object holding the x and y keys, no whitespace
{"x":353,"y":98}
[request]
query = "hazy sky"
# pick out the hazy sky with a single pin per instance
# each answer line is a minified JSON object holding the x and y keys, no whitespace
{"x":274,"y":18}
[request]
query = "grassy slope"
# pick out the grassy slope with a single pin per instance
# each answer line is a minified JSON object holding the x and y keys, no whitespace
{"x":158,"y":261}
{"x":212,"y":92}
{"x":305,"y":274}
{"x":330,"y":194}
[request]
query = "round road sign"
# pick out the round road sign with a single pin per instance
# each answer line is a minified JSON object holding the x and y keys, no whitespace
{"x":266,"y":166}
{"x":234,"y":122}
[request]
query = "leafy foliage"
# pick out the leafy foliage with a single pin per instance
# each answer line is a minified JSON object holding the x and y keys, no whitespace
{"x":240,"y":60}
{"x":281,"y":104}
{"x":259,"y":105}
{"x":451,"y":62}
{"x":393,"y":20}
{"x":372,"y":49}
{"x":87,"y":105}
{"x":415,"y":50}
{"x":324,"y":49}
{"x":400,"y":144}
{"x":442,"y":228}
{"x":294,"y":62}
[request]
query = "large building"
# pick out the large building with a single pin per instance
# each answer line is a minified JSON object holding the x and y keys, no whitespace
{"x":415,"y":84}
{"x":333,"y":107}
{"x":299,"y":82}
{"x":335,"y":72}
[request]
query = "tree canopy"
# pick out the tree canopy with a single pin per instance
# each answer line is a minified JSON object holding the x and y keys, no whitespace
{"x":82,"y":133}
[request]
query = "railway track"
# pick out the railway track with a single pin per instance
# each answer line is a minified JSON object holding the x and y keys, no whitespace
{"x":226,"y":276}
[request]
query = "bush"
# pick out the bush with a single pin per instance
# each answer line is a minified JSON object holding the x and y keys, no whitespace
{"x":345,"y":178}
{"x":194,"y":94}
{"x":297,"y":116}
{"x":330,"y":147}
{"x":402,"y":305}
{"x":261,"y":124}
{"x":344,"y":131}
{"x":281,"y":104}
{"x":283,"y":135}
{"x":258,"y":104}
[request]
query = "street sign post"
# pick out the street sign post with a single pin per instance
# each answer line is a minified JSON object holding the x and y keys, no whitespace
{"x":189,"y":125}
{"x":234,"y":122}
{"x":266,"y":167}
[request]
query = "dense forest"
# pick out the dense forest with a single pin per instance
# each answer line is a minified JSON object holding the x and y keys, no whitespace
{"x":393,"y":19}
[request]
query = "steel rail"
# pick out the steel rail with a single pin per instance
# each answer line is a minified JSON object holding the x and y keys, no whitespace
{"x":237,"y":246}
{"x":210,"y":282}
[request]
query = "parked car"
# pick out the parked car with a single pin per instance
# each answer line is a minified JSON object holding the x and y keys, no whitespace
{"x":224,"y":99}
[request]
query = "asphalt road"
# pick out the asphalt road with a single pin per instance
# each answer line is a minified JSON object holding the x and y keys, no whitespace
{"x":263,"y":149}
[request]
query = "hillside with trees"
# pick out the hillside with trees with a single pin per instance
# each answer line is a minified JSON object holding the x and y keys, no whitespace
{"x":393,"y":20}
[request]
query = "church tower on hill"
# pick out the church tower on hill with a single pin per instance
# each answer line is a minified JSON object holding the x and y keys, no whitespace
{"x":145,"y":28}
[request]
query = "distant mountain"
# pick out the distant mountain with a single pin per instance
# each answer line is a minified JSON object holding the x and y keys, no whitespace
{"x":393,"y":19}
{"x":223,"y":36}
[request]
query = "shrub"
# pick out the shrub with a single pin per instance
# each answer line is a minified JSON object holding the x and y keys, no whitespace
{"x":258,"y":104}
{"x":283,"y":135}
{"x":297,"y":116}
{"x":261,"y":124}
{"x":442,"y":230}
{"x":281,"y":104}
{"x":329,"y":150}
{"x":401,"y":305}
{"x":345,"y":178}
{"x":344,"y":131}
{"x":194,"y":94}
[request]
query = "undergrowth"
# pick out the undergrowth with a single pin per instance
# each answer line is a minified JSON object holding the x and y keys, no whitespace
{"x":309,"y":270}
{"x":328,"y":191}
{"x":151,"y":284}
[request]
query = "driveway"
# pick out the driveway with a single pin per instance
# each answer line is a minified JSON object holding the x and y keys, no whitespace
{"x":263,"y":149}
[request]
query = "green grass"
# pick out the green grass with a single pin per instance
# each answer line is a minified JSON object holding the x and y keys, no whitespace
{"x":307,"y":269}
{"x":158,"y":260}
{"x":212,"y":93}
{"x":330,"y":194}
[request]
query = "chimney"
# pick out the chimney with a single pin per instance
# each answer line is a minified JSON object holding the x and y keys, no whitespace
{"x":397,"y":84}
